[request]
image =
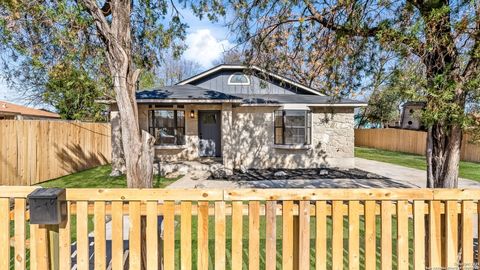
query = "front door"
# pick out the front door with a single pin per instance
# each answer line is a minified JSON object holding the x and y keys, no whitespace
{"x":209,"y":133}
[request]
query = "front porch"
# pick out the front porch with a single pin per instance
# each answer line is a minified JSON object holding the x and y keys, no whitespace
{"x":197,"y":132}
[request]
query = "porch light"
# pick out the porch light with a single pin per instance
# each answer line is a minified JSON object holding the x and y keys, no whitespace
{"x":192,"y":114}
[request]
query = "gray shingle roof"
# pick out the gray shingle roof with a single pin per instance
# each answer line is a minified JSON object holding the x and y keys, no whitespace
{"x":183,"y":92}
{"x":295,"y":99}
{"x":191,"y":93}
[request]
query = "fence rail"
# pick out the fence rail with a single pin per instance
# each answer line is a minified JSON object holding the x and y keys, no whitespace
{"x":33,"y":151}
{"x":409,"y":141}
{"x":249,"y":229}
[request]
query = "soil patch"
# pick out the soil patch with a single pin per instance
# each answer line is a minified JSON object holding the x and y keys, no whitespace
{"x":299,"y":174}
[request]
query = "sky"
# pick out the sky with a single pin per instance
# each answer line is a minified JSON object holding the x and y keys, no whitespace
{"x":206,"y":42}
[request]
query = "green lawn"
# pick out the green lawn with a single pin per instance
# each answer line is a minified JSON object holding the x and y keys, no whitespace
{"x":98,"y":178}
{"x":245,"y":241}
{"x":92,"y":178}
{"x":469,"y":170}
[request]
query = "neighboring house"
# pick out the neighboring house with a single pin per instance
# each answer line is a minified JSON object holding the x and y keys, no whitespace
{"x":250,"y":118}
{"x":411,"y":113}
{"x":19,"y":112}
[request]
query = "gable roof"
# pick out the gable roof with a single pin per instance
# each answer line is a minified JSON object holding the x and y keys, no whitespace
{"x":14,"y":109}
{"x":235,"y":67}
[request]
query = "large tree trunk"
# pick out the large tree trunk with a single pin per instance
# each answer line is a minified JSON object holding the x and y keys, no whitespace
{"x":443,"y":156}
{"x":137,"y":144}
{"x":118,"y":157}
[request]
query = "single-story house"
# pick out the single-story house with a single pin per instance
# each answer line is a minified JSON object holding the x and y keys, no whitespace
{"x":10,"y":111}
{"x":248,"y":117}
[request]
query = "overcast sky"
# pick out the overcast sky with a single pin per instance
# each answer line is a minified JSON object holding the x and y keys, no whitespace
{"x":206,"y":42}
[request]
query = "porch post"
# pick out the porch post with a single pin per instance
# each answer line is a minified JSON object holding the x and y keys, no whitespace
{"x":227,"y":122}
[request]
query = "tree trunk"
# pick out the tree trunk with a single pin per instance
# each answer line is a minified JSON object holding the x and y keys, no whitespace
{"x":137,"y":143}
{"x":443,"y":156}
{"x":118,"y":157}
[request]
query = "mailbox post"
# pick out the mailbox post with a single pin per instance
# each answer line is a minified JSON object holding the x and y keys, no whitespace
{"x":48,"y":209}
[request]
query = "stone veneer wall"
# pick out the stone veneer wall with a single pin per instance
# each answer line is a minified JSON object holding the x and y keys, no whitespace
{"x":247,"y":138}
{"x":332,"y":140}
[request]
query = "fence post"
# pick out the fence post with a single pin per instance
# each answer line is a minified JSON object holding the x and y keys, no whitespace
{"x":47,"y":210}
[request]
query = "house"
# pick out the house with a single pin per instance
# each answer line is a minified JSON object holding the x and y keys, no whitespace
{"x":10,"y":111}
{"x":249,"y":118}
{"x":411,"y":112}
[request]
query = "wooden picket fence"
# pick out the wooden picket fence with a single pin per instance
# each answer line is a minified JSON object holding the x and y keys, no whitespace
{"x":410,"y":141}
{"x":249,"y":229}
{"x":33,"y":151}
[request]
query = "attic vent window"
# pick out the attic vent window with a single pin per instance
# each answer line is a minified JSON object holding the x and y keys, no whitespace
{"x":238,"y":78}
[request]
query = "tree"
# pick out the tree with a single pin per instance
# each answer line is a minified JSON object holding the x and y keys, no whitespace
{"x":175,"y":70}
{"x":383,"y":108}
{"x":346,"y":40}
{"x":73,"y":93}
{"x":119,"y":38}
{"x":232,"y":56}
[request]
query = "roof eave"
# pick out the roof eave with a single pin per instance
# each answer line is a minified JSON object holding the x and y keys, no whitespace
{"x":343,"y":105}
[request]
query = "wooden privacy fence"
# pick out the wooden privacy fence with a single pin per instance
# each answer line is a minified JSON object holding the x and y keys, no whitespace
{"x":248,"y":229}
{"x":409,"y":141}
{"x":33,"y":151}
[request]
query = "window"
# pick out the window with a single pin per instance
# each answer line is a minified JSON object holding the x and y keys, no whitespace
{"x":238,"y":78}
{"x":292,"y":127}
{"x":167,"y":126}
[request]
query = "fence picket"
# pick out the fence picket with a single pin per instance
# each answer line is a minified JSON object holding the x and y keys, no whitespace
{"x":99,"y":236}
{"x":186,"y":238}
{"x":237,"y":235}
{"x":419,"y":234}
{"x":386,"y":235}
{"x":169,"y":235}
{"x":152,"y":236}
{"x":271,"y":235}
{"x":117,"y":235}
{"x":402,"y":235}
{"x":134,"y":239}
{"x":65,"y":241}
{"x":467,"y":235}
{"x":19,"y":234}
{"x":4,"y":233}
{"x":287,"y":240}
{"x":337,"y":235}
{"x":202,"y":234}
{"x":353,"y":235}
{"x":451,"y":234}
{"x":304,"y":235}
{"x":220,"y":227}
{"x":82,"y":236}
{"x":370,"y":235}
{"x":253,"y":235}
{"x":321,"y":235}
{"x":434,"y":235}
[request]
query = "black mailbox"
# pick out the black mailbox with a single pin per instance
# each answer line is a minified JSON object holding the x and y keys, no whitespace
{"x":47,"y":206}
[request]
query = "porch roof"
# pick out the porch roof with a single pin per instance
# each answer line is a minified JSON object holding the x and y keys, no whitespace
{"x":185,"y":93}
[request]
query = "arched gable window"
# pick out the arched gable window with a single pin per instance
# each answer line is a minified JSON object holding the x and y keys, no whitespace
{"x":238,"y":78}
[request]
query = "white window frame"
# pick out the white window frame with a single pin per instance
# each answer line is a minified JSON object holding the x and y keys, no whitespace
{"x":234,"y":83}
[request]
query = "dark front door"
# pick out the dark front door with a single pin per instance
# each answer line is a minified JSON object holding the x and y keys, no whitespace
{"x":209,"y":133}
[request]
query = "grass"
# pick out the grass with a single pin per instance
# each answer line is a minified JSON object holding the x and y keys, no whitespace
{"x":92,"y":178}
{"x":211,"y":250}
{"x":469,"y":170}
{"x":99,"y":177}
